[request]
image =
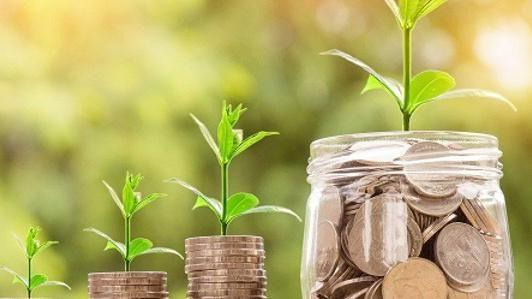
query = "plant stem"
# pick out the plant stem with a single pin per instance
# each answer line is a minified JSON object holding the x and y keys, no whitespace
{"x":225,"y":195}
{"x":29,"y":277}
{"x":127,"y":241}
{"x":407,"y":76}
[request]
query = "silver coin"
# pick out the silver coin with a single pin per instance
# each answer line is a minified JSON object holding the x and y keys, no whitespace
{"x":327,"y":250}
{"x":421,"y":170}
{"x":463,"y":255}
{"x":367,"y":239}
{"x":331,"y":206}
{"x":430,"y":205}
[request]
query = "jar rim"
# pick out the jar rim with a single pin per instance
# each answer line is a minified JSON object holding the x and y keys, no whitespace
{"x":467,"y":148}
{"x":465,"y":137}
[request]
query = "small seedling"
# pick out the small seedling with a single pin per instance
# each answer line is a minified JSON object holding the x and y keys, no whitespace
{"x":427,"y":86}
{"x":230,"y":145}
{"x":31,"y":249}
{"x":132,"y":202}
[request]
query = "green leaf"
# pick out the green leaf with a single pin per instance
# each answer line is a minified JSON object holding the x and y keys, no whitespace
{"x":115,"y":198}
{"x":471,"y":93}
{"x":395,"y":10}
{"x":17,"y":278}
{"x":44,"y":246}
{"x":409,"y":9}
{"x":239,"y":203}
{"x":37,"y":280}
{"x":56,"y":284}
{"x":20,"y":244}
{"x":250,"y":141}
{"x":208,"y":137}
{"x":158,"y":250}
{"x":429,"y":7}
{"x":111,"y":244}
{"x":272,"y":209}
{"x":32,"y":244}
{"x":138,"y":246}
{"x":374,"y":84}
{"x":389,"y":85}
{"x":147,"y":200}
{"x":225,"y":138}
{"x":428,"y":85}
{"x":212,"y":203}
{"x":234,"y":115}
{"x":129,"y":196}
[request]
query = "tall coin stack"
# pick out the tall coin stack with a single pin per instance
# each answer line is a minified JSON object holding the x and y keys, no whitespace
{"x":124,"y":285}
{"x":412,"y":223}
{"x":226,"y":267}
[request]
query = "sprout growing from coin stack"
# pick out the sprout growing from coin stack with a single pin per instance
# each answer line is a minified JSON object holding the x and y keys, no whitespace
{"x":228,"y":266}
{"x":130,"y":284}
{"x":31,"y":248}
{"x":407,"y":214}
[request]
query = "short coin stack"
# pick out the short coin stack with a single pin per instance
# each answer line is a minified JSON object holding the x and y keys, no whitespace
{"x":408,"y":225}
{"x":123,"y":285}
{"x":226,"y":267}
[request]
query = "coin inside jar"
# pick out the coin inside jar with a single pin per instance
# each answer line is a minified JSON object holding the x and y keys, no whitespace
{"x":416,"y":278}
{"x":331,"y":206}
{"x":377,"y":237}
{"x":433,"y":206}
{"x":463,"y":255}
{"x":328,"y":250}
{"x":352,"y":287}
{"x":419,"y":159}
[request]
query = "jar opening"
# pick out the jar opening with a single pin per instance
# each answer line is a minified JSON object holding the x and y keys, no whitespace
{"x":430,"y":152}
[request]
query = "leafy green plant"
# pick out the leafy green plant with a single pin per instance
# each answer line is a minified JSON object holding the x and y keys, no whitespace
{"x":131,"y":203}
{"x":31,"y":249}
{"x":230,"y":144}
{"x":425,"y":87}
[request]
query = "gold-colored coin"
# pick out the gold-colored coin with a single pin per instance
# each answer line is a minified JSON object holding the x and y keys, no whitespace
{"x":223,"y":239}
{"x":227,"y":272}
{"x":218,"y":266}
{"x":220,"y":246}
{"x":416,"y":278}
{"x":130,"y":288}
{"x":226,"y":286}
{"x":225,"y":259}
{"x":226,"y":252}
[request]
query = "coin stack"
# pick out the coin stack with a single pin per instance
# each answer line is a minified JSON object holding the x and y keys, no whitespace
{"x":118,"y":285}
{"x":399,"y":220}
{"x":226,"y":267}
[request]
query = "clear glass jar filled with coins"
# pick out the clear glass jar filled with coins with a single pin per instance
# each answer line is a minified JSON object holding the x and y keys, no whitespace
{"x":406,"y":215}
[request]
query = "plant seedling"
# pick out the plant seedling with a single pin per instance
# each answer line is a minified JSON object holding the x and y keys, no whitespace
{"x":132,"y":202}
{"x":31,"y":249}
{"x":425,"y":87}
{"x":230,"y":145}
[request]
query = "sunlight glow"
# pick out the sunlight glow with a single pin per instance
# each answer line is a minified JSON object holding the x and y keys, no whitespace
{"x":507,"y":50}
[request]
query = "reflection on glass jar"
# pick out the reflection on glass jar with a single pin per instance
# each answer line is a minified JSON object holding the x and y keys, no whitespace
{"x":406,"y":215}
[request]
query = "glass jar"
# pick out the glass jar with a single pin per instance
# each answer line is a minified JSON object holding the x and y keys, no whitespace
{"x":406,"y":215}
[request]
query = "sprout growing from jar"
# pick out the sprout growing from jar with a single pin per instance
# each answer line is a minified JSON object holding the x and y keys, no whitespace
{"x":425,"y":87}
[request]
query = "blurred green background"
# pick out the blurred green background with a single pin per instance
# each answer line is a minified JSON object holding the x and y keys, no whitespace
{"x":90,"y":89}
